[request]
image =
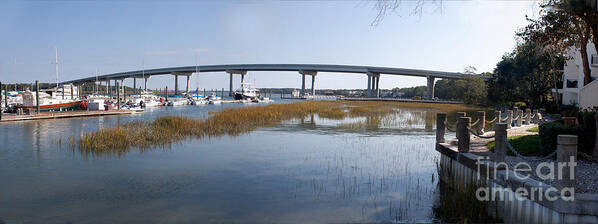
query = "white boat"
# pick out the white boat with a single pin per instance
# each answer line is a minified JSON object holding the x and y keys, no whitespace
{"x":214,"y":99}
{"x":177,"y":102}
{"x":295,"y":93}
{"x":246,"y":92}
{"x":96,"y":104}
{"x":147,"y":99}
{"x":201,"y":101}
{"x":134,"y":108}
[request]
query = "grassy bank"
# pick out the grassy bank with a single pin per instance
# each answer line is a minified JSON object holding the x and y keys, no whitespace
{"x":527,"y":145}
{"x":170,"y":129}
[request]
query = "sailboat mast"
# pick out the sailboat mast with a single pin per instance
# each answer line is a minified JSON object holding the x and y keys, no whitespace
{"x":96,"y":84}
{"x":56,"y":62}
{"x":15,"y":64}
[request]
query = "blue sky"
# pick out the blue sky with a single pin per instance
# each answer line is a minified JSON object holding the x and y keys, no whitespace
{"x":116,"y":36}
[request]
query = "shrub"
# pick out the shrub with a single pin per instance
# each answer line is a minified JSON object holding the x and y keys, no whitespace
{"x":549,"y":131}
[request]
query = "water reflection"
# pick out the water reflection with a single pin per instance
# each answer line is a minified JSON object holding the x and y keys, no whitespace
{"x":304,"y":170}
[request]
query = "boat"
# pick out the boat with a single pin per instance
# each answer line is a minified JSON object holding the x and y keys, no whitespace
{"x":214,"y":99}
{"x":147,"y":99}
{"x":134,"y":108}
{"x":49,"y":100}
{"x":295,"y":93}
{"x":246,"y":92}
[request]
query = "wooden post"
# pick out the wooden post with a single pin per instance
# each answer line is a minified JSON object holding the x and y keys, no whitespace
{"x":463,"y":131}
{"x":166,"y":93}
{"x":567,"y":155}
{"x":117,"y":96}
{"x":122,"y":85}
{"x":37,"y":95}
{"x":536,"y":117}
{"x":440,"y":127}
{"x":500,"y":138}
{"x":459,"y":115}
{"x":528,"y":114}
{"x":509,"y":119}
{"x":498,"y":116}
{"x":5,"y":95}
{"x":482,"y":122}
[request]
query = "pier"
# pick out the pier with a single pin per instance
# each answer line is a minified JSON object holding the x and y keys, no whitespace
{"x":63,"y":114}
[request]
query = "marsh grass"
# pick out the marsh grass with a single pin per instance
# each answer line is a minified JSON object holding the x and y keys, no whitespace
{"x":334,"y":113}
{"x":167,"y":130}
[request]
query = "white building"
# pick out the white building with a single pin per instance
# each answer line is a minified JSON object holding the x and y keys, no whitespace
{"x":573,"y":91}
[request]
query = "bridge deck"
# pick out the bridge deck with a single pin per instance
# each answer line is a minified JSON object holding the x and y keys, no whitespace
{"x":272,"y":67}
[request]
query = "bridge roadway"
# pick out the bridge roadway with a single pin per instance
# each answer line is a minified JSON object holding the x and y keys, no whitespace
{"x":372,"y":72}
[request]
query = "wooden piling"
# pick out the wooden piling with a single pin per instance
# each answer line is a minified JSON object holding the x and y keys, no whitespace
{"x":481,"y":123}
{"x":463,"y":125}
{"x":459,"y":115}
{"x":117,"y":96}
{"x":509,"y":119}
{"x":528,"y":114}
{"x":5,"y":95}
{"x":440,"y":127}
{"x":37,"y":96}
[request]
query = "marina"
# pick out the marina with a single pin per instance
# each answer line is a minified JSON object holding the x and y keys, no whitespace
{"x":377,"y":111}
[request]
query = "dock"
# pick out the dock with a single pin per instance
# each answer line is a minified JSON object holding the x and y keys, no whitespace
{"x":63,"y":114}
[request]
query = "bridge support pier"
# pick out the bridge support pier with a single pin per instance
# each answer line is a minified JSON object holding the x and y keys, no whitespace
{"x":176,"y":84}
{"x":230,"y":84}
{"x":430,"y":88}
{"x":313,"y":81}
{"x":373,"y":82}
{"x":302,"y":85}
{"x":187,"y":89}
{"x":369,"y":90}
{"x":231,"y":73}
{"x":145,"y":84}
{"x":378,"y":86}
{"x":109,"y":89}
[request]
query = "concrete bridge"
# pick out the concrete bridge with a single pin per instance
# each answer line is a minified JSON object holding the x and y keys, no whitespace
{"x":373,"y":74}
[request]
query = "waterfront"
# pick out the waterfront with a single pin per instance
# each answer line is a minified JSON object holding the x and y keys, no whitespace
{"x":299,"y":171}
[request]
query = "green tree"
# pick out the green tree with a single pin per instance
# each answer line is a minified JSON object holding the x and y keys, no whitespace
{"x":525,"y":75}
{"x":584,"y":10}
{"x":471,"y":89}
{"x":560,"y":30}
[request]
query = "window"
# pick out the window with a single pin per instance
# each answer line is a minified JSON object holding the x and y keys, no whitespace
{"x":571,"y":83}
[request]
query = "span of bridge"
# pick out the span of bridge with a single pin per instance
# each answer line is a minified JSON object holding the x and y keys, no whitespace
{"x":372,"y":72}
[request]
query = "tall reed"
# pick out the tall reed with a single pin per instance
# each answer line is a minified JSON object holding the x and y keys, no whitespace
{"x":233,"y":121}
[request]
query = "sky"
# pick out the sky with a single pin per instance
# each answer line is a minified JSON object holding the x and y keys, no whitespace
{"x":118,"y":36}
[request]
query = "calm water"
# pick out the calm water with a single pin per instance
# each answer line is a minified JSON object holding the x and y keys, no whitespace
{"x":304,"y":170}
